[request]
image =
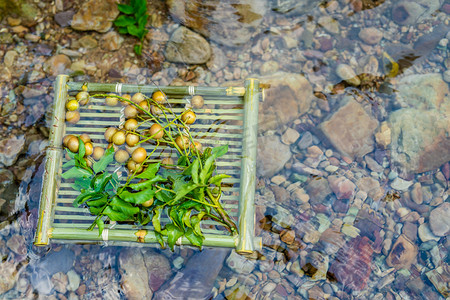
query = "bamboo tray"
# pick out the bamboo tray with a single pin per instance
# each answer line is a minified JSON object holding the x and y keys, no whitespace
{"x":229,"y":117}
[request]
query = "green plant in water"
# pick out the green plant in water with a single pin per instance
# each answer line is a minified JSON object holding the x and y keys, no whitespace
{"x":187,"y":192}
{"x":133,"y":21}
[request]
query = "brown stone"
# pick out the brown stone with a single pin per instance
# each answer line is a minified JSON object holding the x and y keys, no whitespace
{"x":96,"y":15}
{"x":288,"y":97}
{"x":403,"y":253}
{"x":57,"y":64}
{"x":351,"y":129}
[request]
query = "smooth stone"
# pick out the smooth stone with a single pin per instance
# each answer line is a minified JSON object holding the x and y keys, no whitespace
{"x":87,"y":42}
{"x":373,"y":165}
{"x":10,"y":58}
{"x":305,"y":141}
{"x":16,"y":244}
{"x":95,"y":15}
{"x":342,"y":187}
{"x":227,"y":22}
{"x":290,"y":136}
{"x":383,"y":135}
{"x":352,"y":136}
{"x":346,"y":73}
{"x":187,"y":47}
{"x":60,"y":282}
{"x":272,"y":156}
{"x":74,"y":280}
{"x":240,"y":264}
{"x":10,"y":149}
{"x":401,"y":184}
{"x":425,"y":233}
{"x":402,"y":254}
{"x":370,"y":35}
{"x":6,"y":177}
{"x":440,"y":220}
{"x":416,"y":193}
{"x":111,"y":41}
{"x":330,"y":24}
{"x":64,"y":18}
{"x":218,"y":60}
{"x":134,"y":275}
{"x":56,"y":65}
{"x":158,"y":268}
{"x":412,"y":12}
{"x":9,"y":275}
{"x":290,"y":95}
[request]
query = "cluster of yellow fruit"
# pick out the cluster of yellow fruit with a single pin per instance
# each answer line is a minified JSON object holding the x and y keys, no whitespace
{"x":138,"y":110}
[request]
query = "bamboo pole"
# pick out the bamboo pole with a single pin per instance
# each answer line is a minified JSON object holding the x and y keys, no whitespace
{"x":139,"y":236}
{"x":52,"y":164}
{"x":246,"y":242}
{"x":148,"y":89}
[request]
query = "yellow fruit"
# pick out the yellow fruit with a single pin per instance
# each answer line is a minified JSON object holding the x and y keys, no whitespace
{"x":123,"y":102}
{"x":197,"y":145}
{"x":148,"y":203}
{"x":138,"y":98}
{"x":119,"y":138}
{"x":121,"y":156}
{"x":82,"y":97}
{"x":98,"y":153}
{"x":182,"y":142}
{"x":73,"y":144}
{"x":66,"y":139}
{"x":111,"y":100}
{"x":159,"y":97}
{"x":131,"y":124}
{"x":139,"y":155}
{"x":197,"y":101}
{"x":132,"y":139}
{"x":130,"y":112}
{"x":72,"y":105}
{"x":155,"y":110}
{"x":188,"y":117}
{"x":156,"y":132}
{"x":85,"y":138}
{"x":72,"y":116}
{"x":144,"y":105}
{"x":89,"y":148}
{"x":167,"y":161}
{"x":109,"y":133}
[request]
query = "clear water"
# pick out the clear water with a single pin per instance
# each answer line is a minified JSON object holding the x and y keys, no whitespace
{"x":347,"y":206}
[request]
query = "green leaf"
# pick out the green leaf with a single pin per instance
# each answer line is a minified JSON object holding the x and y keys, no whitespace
{"x":193,"y":238}
{"x":217,"y":180}
{"x":183,"y":161}
{"x":183,"y":191}
{"x":99,"y":202}
{"x":82,"y":183}
{"x":69,"y":163}
{"x":137,"y":198}
{"x":101,"y":225}
{"x":150,"y":172}
{"x":138,"y":48}
{"x":142,"y":9}
{"x":156,"y":219}
{"x":123,"y":30}
{"x":83,"y":197}
{"x":146,"y":184}
{"x":160,"y":239}
{"x":125,"y":21}
{"x":124,"y":207}
{"x":113,"y":183}
{"x":133,"y":30}
{"x":99,"y":182}
{"x":95,"y":210}
{"x":173,"y":234}
{"x":176,"y":216}
{"x":194,"y":170}
{"x":142,"y":21}
{"x":81,"y":149}
{"x":115,"y":215}
{"x":126,"y":9}
{"x":76,"y":172}
{"x":164,"y":196}
{"x":219,"y":151}
{"x":107,"y":158}
{"x":195,"y":221}
{"x":187,"y":218}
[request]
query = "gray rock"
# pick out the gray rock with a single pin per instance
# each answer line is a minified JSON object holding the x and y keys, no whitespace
{"x":218,"y":59}
{"x":425,"y":233}
{"x":240,"y":264}
{"x":412,"y":12}
{"x":272,"y":156}
{"x":350,"y":129}
{"x":158,"y":268}
{"x":10,"y":149}
{"x":401,"y":184}
{"x":440,"y":220}
{"x":196,"y":280}
{"x":305,"y":141}
{"x":187,"y":47}
{"x":134,"y":275}
{"x":227,"y":22}
{"x":64,"y":18}
{"x":289,"y":96}
{"x":293,"y":7}
{"x":95,"y":15}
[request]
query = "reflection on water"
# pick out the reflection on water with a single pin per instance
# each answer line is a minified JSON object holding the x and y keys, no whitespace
{"x":353,"y":154}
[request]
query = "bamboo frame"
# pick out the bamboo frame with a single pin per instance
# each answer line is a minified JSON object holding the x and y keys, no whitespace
{"x":61,"y":231}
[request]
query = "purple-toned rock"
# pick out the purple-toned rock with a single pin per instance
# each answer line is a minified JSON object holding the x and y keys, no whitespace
{"x":272,"y":156}
{"x":352,"y":265}
{"x":17,"y":244}
{"x":402,"y":254}
{"x":158,"y":268}
{"x":350,"y":129}
{"x":440,"y":220}
{"x":371,"y":35}
{"x":342,"y":187}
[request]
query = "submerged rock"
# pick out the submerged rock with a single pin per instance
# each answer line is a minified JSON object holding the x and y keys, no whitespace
{"x":351,"y":266}
{"x":350,"y":129}
{"x":95,"y":15}
{"x":440,"y":220}
{"x":272,"y":156}
{"x":134,"y":275}
{"x":187,"y":47}
{"x":10,"y":149}
{"x":196,"y":280}
{"x":9,"y":276}
{"x":229,"y":22}
{"x":402,"y":254}
{"x":289,"y":96}
{"x":412,"y":12}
